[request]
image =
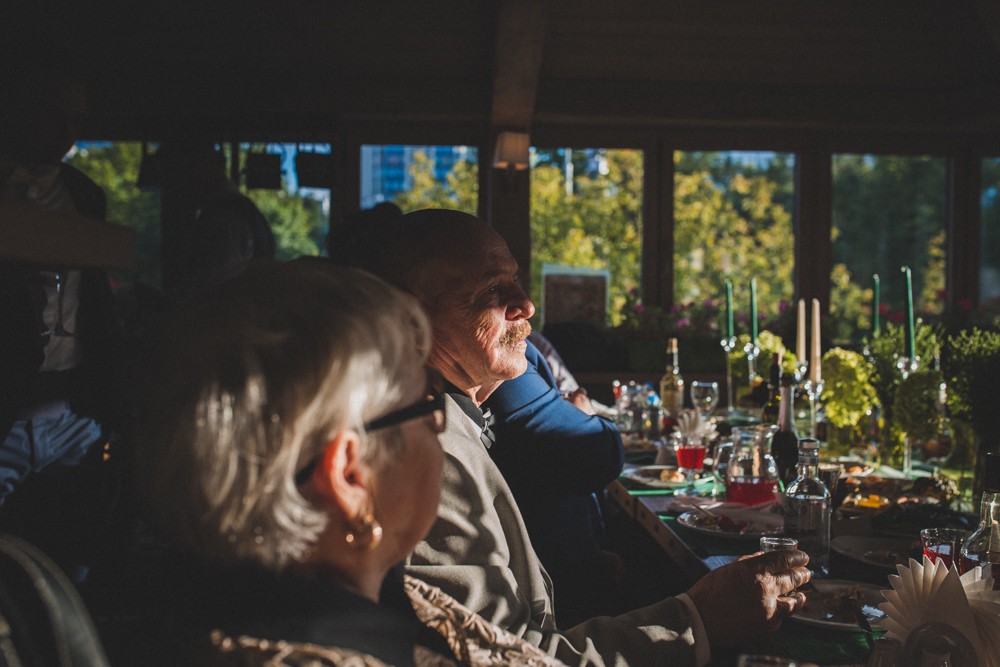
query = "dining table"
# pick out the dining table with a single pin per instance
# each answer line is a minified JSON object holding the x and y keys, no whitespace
{"x":658,"y":511}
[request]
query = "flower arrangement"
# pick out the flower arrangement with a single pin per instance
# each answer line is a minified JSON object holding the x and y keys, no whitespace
{"x":848,"y":395}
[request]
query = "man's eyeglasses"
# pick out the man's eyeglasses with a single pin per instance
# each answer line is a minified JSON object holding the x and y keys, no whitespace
{"x":432,"y":404}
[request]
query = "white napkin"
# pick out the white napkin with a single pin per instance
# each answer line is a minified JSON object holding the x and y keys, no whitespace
{"x":691,"y":425}
{"x":925,"y":592}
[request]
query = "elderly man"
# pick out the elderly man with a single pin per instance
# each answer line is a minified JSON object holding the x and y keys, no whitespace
{"x":478,"y":550}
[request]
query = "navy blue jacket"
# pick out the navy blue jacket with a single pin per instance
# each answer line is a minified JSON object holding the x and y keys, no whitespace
{"x":543,"y":439}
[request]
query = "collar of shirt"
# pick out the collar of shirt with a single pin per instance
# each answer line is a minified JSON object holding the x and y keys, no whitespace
{"x":483,"y":418}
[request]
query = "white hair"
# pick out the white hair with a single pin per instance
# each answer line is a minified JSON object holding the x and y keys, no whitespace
{"x":255,"y":378}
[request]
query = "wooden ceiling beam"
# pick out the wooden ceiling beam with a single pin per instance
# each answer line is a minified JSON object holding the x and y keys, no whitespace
{"x":519,"y":46}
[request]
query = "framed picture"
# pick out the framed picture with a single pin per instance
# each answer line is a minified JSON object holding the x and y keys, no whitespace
{"x":574,"y":294}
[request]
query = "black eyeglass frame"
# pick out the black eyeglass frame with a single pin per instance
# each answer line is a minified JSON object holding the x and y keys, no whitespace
{"x":427,"y":405}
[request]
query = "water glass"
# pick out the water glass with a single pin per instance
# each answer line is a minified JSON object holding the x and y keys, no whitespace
{"x":704,"y":397}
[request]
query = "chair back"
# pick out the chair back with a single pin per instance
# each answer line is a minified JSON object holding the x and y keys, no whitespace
{"x":43,"y":621}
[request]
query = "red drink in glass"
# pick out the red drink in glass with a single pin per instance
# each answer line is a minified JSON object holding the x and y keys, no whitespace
{"x":753,"y":492}
{"x":690,"y":458}
{"x":940,"y":552}
{"x":965,"y":564}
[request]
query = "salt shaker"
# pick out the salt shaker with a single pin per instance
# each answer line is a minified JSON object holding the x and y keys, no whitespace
{"x":886,"y":653}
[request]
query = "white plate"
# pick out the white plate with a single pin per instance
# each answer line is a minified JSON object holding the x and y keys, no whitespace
{"x":758,"y":523}
{"x":816,"y":611}
{"x":883,"y":553}
{"x":650,"y":476}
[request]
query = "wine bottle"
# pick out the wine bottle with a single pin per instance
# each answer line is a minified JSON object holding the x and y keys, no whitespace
{"x":769,"y":413}
{"x":672,"y":383}
{"x":785,"y":443}
{"x":808,"y":507}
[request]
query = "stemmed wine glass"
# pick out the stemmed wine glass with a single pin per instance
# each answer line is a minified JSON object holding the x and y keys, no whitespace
{"x":690,"y":450}
{"x":705,"y":396}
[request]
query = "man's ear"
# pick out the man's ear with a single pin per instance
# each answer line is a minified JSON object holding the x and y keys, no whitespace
{"x":342,"y":476}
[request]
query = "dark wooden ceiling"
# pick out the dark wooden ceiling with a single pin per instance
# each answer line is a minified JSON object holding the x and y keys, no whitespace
{"x":312,"y":68}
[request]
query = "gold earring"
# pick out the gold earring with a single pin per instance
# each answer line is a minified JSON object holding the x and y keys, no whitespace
{"x":365,"y":534}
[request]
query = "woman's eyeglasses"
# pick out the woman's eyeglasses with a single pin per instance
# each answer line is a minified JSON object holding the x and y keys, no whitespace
{"x":432,"y":404}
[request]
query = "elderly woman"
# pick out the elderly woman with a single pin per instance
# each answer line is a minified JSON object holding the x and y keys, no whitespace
{"x":290,"y":454}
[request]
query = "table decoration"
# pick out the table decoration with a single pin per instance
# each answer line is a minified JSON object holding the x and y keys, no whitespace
{"x":848,"y":397}
{"x":801,"y":366}
{"x":875,"y":305}
{"x":929,"y":592}
{"x":814,"y":385}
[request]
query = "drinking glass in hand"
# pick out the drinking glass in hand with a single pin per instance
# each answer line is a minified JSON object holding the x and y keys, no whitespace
{"x":705,"y":396}
{"x":770,"y":543}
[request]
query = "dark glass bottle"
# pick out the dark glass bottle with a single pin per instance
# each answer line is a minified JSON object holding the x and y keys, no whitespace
{"x":769,"y":413}
{"x":785,"y":444}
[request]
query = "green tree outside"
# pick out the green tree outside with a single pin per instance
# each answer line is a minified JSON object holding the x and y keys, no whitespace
{"x":596,"y":222}
{"x":459,"y":192}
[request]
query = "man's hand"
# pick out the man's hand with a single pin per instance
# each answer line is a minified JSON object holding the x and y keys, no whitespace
{"x":753,"y":595}
{"x":578,"y":397}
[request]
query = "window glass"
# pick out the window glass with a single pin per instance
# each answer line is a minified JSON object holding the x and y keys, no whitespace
{"x":586,"y":229}
{"x":989,"y":267}
{"x":299,"y":213}
{"x":114,"y":166}
{"x":733,"y":221}
{"x":415,"y":177}
{"x":888,"y":212}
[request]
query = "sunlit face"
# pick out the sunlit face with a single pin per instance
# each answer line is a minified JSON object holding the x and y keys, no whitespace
{"x":479,"y":313}
{"x":407,"y":488}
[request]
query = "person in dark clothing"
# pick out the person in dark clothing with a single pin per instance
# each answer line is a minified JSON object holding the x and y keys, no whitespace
{"x":65,"y":405}
{"x":539,"y":432}
{"x":209,"y":226}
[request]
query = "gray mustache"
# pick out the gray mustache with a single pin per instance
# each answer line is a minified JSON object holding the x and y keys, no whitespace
{"x":515,"y":333}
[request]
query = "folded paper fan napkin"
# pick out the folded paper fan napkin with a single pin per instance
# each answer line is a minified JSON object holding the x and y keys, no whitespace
{"x":691,"y":425}
{"x":926,"y":592}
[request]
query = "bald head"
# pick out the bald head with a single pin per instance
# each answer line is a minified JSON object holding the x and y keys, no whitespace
{"x":421,"y":249}
{"x":463,"y":274}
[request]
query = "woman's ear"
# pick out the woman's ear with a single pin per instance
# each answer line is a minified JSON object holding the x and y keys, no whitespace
{"x":342,"y":476}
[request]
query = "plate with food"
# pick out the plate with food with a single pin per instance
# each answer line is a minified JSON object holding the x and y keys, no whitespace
{"x":883,"y":553}
{"x":660,"y":477}
{"x":853,"y":467}
{"x":830,"y":604}
{"x":733,"y":523}
{"x":633,"y":445}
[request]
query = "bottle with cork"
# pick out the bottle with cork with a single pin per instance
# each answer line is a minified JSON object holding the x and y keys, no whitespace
{"x":672,"y":387}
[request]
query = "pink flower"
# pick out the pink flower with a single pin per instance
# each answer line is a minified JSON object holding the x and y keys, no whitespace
{"x":639,"y":309}
{"x":683,"y":323}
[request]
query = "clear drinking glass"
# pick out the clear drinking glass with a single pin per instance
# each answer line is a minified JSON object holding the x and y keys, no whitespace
{"x":752,"y":475}
{"x":705,"y":396}
{"x":772,"y":543}
{"x":720,"y":462}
